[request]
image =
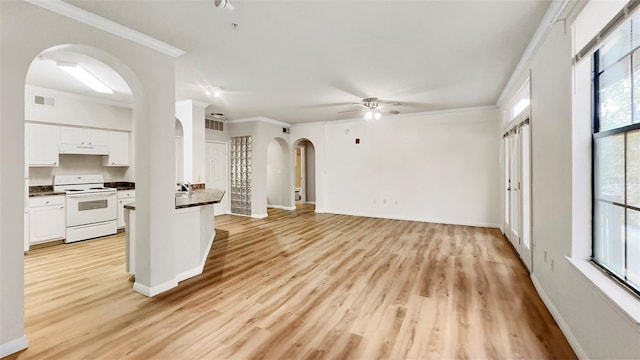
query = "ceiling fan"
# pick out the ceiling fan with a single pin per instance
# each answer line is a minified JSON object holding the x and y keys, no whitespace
{"x":373,"y":108}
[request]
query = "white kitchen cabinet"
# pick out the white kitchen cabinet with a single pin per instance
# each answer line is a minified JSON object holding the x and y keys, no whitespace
{"x":118,"y":149}
{"x":124,"y":197}
{"x":41,"y":144}
{"x":83,"y":136}
{"x":46,"y":218}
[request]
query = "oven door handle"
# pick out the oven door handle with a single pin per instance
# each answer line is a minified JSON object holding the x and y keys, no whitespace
{"x":100,"y":194}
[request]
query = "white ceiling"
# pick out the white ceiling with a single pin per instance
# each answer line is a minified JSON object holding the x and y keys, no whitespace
{"x":305,"y":60}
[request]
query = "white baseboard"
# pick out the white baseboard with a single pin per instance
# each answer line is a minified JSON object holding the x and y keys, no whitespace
{"x":310,"y":202}
{"x":259,"y":216}
{"x":415,"y":218}
{"x":188,"y":274}
{"x":13,"y":346}
{"x":155,"y":290}
{"x":566,"y":330}
{"x":281,"y":207}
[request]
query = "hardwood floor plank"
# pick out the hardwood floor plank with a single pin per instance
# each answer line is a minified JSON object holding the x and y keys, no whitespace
{"x":297,"y":285}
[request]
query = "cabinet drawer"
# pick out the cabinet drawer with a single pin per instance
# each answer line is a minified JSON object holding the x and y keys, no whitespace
{"x":126,"y":194}
{"x":39,"y":201}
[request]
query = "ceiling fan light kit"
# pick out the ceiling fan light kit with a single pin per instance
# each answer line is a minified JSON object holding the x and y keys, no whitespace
{"x":224,"y":4}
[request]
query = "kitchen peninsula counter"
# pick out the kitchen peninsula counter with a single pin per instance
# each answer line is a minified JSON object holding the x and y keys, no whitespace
{"x":193,"y":235}
{"x":197,"y":198}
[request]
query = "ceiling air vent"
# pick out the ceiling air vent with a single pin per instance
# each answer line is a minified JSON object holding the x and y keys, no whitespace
{"x":214,"y":125}
{"x":43,"y":100}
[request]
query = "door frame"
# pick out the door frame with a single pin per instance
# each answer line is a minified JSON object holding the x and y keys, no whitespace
{"x":303,"y":175}
{"x":227,"y":173}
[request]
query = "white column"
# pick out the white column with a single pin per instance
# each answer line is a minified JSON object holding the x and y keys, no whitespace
{"x":191,"y":114}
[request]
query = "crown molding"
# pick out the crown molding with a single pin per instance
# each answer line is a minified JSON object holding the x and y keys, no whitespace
{"x":398,"y":116}
{"x":261,"y":119}
{"x":552,"y":15}
{"x":65,"y":9}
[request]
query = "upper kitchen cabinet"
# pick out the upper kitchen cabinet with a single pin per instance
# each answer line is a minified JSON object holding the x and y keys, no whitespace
{"x":42,"y":143}
{"x":118,"y":149}
{"x":78,"y":140}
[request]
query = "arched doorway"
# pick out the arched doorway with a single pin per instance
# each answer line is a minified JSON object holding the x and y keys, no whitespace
{"x":277,"y":174}
{"x":304,"y":172}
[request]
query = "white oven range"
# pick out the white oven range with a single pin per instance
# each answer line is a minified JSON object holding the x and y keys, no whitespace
{"x":91,"y":208}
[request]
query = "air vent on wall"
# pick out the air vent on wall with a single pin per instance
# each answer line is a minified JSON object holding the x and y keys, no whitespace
{"x":214,"y":125}
{"x":43,"y":100}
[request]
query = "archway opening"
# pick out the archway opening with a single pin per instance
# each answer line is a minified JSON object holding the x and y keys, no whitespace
{"x":304,"y":165}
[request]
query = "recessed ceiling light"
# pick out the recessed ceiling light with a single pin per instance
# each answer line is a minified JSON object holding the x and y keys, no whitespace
{"x":85,"y":77}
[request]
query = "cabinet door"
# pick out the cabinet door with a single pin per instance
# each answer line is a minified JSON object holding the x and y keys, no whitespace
{"x":46,"y":223}
{"x":118,"y":149}
{"x":42,"y":143}
{"x":97,"y":137}
{"x":72,"y":136}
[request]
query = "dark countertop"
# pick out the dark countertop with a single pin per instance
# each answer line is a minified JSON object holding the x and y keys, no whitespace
{"x":44,"y":190}
{"x":121,"y":185}
{"x":47,"y":190}
{"x":197,"y":198}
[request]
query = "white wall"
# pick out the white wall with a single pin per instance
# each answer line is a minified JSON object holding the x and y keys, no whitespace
{"x":276,"y":164}
{"x":77,"y":110}
{"x":78,"y":165}
{"x":434,"y":167}
{"x":262,"y":131}
{"x":593,"y":325}
{"x":191,"y":116}
{"x":26,"y":31}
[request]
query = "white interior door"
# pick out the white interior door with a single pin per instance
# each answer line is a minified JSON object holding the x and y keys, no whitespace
{"x":518,"y":193}
{"x":514,"y":193}
{"x":217,"y":173}
{"x":526,"y":245}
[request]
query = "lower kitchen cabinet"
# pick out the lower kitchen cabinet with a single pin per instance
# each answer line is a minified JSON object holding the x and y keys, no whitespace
{"x":124,"y":197}
{"x":46,"y":219}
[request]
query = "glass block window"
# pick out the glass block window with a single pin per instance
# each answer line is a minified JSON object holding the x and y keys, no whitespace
{"x":241,"y":175}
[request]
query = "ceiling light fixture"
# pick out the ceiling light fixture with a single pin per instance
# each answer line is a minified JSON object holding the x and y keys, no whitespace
{"x":224,"y":4}
{"x":85,"y":77}
{"x":213,"y":90}
{"x":372,"y":114}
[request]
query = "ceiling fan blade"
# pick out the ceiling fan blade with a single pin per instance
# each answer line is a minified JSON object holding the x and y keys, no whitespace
{"x":322,"y":106}
{"x":391,"y":112}
{"x":349,"y":111}
{"x":390,"y":103}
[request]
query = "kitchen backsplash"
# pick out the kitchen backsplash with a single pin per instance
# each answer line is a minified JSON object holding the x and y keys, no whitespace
{"x":79,"y":165}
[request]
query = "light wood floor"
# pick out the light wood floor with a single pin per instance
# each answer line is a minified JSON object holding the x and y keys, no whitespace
{"x":297,"y":285}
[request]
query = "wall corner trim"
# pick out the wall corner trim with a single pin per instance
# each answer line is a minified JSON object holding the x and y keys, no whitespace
{"x":65,"y":9}
{"x":13,"y":346}
{"x":564,"y":327}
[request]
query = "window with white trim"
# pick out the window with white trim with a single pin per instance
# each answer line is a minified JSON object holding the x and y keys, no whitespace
{"x":616,"y":155}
